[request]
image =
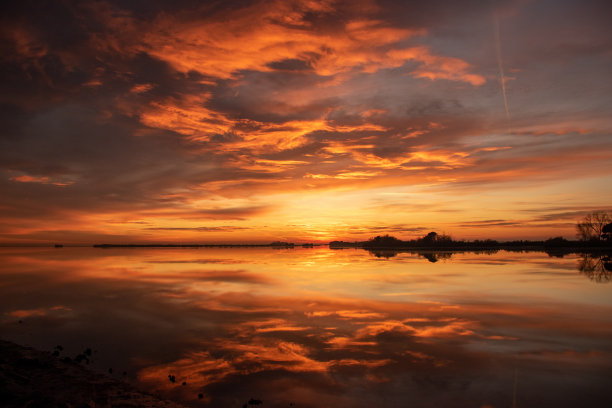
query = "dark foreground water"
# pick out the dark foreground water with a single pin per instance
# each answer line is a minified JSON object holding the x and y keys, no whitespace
{"x":314,"y":327}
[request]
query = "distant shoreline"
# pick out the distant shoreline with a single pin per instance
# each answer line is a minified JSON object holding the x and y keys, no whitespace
{"x":434,"y":242}
{"x":532,"y":247}
{"x":273,"y":245}
{"x":550,"y":247}
{"x":551,"y":250}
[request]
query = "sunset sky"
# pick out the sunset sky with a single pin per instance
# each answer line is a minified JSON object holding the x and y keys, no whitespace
{"x":306,"y":121}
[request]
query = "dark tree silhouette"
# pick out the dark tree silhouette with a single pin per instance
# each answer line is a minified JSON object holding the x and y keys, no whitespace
{"x":383,"y":253}
{"x":436,"y":256}
{"x":433,"y":238}
{"x":596,"y":268}
{"x":592,"y":225}
{"x":385,"y":241}
{"x":607,"y":232}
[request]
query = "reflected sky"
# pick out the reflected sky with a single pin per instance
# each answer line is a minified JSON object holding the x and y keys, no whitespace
{"x":318,"y":327}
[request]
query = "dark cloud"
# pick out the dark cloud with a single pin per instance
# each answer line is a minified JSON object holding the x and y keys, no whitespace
{"x":290,"y":64}
{"x":489,"y":224}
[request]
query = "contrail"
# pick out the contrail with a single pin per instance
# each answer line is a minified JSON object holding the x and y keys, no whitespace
{"x":500,"y":64}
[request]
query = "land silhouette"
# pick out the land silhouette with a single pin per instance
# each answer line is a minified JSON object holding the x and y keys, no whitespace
{"x":594,"y":234}
{"x":431,"y":241}
{"x":435,"y":241}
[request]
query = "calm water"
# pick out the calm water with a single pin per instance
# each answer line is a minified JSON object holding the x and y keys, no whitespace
{"x":319,"y":327}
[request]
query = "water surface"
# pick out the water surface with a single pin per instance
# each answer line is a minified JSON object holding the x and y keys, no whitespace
{"x":315,"y":327}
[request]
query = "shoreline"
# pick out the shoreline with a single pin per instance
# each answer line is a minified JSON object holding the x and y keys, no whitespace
{"x":30,"y":377}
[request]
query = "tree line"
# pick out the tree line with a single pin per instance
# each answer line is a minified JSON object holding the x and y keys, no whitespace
{"x":594,"y":230}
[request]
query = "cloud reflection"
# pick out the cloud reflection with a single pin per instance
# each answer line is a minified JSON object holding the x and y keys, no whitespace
{"x":232,"y":336}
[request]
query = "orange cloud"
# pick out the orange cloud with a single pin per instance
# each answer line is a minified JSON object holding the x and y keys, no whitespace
{"x":37,"y":312}
{"x":217,"y":48}
{"x":41,"y":179}
{"x":274,"y":32}
{"x":435,"y":67}
{"x":141,"y":88}
{"x":187,"y":116}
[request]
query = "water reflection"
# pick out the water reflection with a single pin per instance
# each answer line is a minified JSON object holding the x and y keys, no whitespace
{"x":315,"y":327}
{"x":431,"y":256}
{"x":598,"y":268}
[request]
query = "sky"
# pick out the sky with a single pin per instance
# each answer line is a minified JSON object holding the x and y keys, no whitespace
{"x":306,"y":121}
